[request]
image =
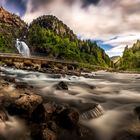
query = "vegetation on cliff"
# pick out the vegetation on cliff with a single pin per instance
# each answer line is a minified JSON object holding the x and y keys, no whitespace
{"x":49,"y":36}
{"x":131,"y":58}
{"x":11,"y":27}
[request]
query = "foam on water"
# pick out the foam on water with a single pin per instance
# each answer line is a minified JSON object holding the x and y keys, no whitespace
{"x":118,"y":94}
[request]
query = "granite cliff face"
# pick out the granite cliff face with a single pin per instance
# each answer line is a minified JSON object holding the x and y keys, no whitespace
{"x":10,"y":19}
{"x":54,"y":24}
{"x":11,"y":27}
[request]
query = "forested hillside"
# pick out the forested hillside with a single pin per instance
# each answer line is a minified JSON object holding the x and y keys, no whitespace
{"x":51,"y":37}
{"x":131,"y":58}
{"x":48,"y":36}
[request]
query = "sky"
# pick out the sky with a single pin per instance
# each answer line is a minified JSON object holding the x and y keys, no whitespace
{"x":113,"y":24}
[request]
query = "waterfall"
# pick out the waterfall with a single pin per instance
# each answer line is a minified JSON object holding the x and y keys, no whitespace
{"x":22,"y":48}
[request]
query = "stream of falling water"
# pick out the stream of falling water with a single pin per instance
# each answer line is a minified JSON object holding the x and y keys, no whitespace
{"x":116,"y":95}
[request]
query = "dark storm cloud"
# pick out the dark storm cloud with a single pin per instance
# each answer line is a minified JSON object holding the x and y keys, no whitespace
{"x":38,"y":3}
{"x":98,"y":19}
{"x":88,"y":18}
{"x":89,"y":2}
{"x":16,"y":6}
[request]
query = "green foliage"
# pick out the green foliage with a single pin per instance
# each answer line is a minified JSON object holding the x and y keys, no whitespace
{"x":49,"y":36}
{"x":5,"y":44}
{"x":45,"y":41}
{"x":131,"y":58}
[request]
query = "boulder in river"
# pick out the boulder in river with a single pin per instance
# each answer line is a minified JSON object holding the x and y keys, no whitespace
{"x":137,"y":111}
{"x":62,"y":86}
{"x":25,"y":105}
{"x":68,"y":118}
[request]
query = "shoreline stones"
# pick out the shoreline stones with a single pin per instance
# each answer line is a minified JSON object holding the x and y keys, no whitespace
{"x":47,"y":121}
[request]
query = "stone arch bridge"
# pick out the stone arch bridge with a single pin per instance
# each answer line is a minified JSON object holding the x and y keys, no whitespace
{"x":41,"y":64}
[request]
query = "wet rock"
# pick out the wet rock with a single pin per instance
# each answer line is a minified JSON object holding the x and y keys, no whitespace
{"x":55,"y":76}
{"x":87,"y":133}
{"x":62,"y":86}
{"x":42,"y":133}
{"x":9,"y":79}
{"x":68,"y":118}
{"x":137,"y":77}
{"x":25,"y":105}
{"x":127,"y":135}
{"x":3,"y":115}
{"x":137,"y":111}
{"x":50,"y":107}
{"x":21,"y":85}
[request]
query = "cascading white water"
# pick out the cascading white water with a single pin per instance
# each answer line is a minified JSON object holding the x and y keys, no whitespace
{"x":22,"y":48}
{"x":116,"y":95}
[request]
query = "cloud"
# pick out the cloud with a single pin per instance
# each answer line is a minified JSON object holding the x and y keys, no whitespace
{"x":105,"y":19}
{"x":95,"y":19}
{"x":120,"y":42}
{"x":14,"y":6}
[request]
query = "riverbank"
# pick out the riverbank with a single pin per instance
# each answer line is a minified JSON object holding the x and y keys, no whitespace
{"x":26,"y":115}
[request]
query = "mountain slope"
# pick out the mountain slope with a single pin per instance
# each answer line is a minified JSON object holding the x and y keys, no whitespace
{"x":131,"y":58}
{"x":11,"y":27}
{"x":52,"y":23}
{"x":49,"y":36}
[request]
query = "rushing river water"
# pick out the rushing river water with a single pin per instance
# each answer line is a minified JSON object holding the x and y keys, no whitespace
{"x":117,"y":93}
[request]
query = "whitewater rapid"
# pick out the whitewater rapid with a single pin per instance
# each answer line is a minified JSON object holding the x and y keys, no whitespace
{"x":117,"y":93}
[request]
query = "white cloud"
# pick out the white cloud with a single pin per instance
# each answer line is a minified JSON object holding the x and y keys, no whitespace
{"x":120,"y":42}
{"x":109,"y":18}
{"x":93,"y":21}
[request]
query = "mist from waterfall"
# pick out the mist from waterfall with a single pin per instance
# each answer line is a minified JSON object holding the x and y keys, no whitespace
{"x":22,"y":48}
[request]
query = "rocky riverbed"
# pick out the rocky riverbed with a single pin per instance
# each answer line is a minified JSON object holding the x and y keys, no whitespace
{"x":40,"y":106}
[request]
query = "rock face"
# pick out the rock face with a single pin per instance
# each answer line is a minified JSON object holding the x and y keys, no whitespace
{"x":11,"y":19}
{"x":47,"y":120}
{"x":127,"y":135}
{"x":54,"y":24}
{"x":3,"y":115}
{"x":62,"y":86}
{"x":137,"y":111}
{"x":25,"y":105}
{"x":11,"y":27}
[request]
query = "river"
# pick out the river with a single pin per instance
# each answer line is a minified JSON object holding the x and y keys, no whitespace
{"x":117,"y":93}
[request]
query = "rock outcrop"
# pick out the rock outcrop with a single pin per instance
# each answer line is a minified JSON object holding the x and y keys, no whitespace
{"x":47,"y":120}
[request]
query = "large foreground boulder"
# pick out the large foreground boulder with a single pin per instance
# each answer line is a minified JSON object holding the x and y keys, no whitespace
{"x":41,"y":132}
{"x":3,"y":115}
{"x":29,"y":107}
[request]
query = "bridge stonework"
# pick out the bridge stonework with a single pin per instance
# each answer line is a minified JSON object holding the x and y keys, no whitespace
{"x":40,"y":64}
